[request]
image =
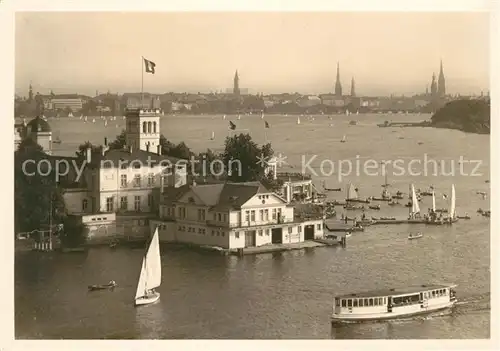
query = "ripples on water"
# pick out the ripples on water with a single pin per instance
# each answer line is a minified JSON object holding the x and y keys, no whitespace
{"x":282,"y":295}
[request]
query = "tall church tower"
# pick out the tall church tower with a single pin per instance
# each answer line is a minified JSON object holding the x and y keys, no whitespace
{"x":353,"y":88}
{"x":143,"y":129}
{"x":433,"y":86}
{"x":441,"y":82}
{"x":30,"y":93}
{"x":338,"y":86}
{"x":236,"y":85}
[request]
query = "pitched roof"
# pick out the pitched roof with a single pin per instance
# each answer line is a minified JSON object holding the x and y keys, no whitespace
{"x":228,"y":195}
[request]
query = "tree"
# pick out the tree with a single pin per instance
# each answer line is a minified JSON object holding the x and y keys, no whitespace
{"x":180,"y":150}
{"x":275,"y":185}
{"x":38,"y":200}
{"x":120,"y":141}
{"x":74,"y":233}
{"x":241,"y":158}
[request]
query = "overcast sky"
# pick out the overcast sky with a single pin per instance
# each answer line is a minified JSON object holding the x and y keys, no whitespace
{"x":273,"y":52}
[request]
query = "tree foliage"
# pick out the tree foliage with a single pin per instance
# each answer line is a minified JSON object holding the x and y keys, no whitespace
{"x":38,"y":200}
{"x":467,"y":115}
{"x":241,"y":158}
{"x":74,"y":233}
{"x":82,"y":150}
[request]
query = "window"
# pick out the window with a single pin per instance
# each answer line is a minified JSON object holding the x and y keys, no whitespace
{"x":355,"y":303}
{"x":274,"y":213}
{"x":337,"y":302}
{"x":154,"y":127}
{"x":151,"y":179}
{"x":150,"y":200}
{"x":349,"y":303}
{"x":137,"y":203}
{"x":299,"y":229}
{"x":361,"y":304}
{"x":123,"y":165}
{"x":137,"y":181}
{"x":149,"y":127}
{"x":370,"y":302}
{"x":219,"y":217}
{"x":137,"y":165}
{"x":344,"y":303}
{"x":123,"y":180}
{"x":123,"y":203}
{"x":225,"y":217}
{"x":109,"y":204}
{"x":260,"y":232}
{"x":267,"y":232}
{"x":144,"y":127}
{"x":318,"y":227}
{"x":380,"y":301}
{"x":85,"y":204}
{"x":237,"y":235}
{"x":266,"y":214}
{"x":375,"y":302}
{"x":261,"y":213}
{"x":289,"y":230}
{"x":247,"y":216}
{"x":252,"y":215}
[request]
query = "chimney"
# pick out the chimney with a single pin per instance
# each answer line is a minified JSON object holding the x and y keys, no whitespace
{"x":147,"y":146}
{"x":158,"y":149}
{"x":88,"y":153}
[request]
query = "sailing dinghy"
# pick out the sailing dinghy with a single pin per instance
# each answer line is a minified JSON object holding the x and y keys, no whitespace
{"x":150,"y":277}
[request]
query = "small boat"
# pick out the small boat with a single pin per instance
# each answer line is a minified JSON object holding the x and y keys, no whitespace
{"x":415,"y":236}
{"x":56,"y":141}
{"x":393,"y":203}
{"x":374,"y":207}
{"x":466,"y":216}
{"x":387,"y":304}
{"x":481,"y":193}
{"x":487,"y":181}
{"x":112,"y":284}
{"x":343,"y":140}
{"x":353,"y":208}
{"x":298,"y":120}
{"x":426,"y":193}
{"x":387,"y":218}
{"x":480,"y":210}
{"x":486,"y":214}
{"x":353,"y":123}
{"x":213,"y":136}
{"x":352,"y":195}
{"x":150,"y":277}
{"x":441,"y":210}
{"x":420,"y":143}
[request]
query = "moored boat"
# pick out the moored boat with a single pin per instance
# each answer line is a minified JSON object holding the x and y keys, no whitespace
{"x":352,"y":195}
{"x":374,"y":207}
{"x":393,"y":303}
{"x":112,"y":284}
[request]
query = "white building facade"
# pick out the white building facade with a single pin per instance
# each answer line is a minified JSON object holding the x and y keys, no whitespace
{"x":231,"y":216}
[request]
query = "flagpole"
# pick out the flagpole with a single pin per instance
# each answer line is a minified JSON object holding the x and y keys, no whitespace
{"x":142,"y":81}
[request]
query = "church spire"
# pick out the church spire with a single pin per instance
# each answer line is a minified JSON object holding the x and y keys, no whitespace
{"x":236,"y":85}
{"x":441,"y":82}
{"x":30,"y":93}
{"x":338,"y":86}
{"x":353,"y":87}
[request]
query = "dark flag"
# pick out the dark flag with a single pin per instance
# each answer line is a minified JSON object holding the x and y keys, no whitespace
{"x":150,"y":66}
{"x":267,"y":124}
{"x":232,"y":125}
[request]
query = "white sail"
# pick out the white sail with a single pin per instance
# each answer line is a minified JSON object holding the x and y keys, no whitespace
{"x":298,"y":120}
{"x":414,"y":200}
{"x":433,"y":202}
{"x":262,"y":116}
{"x":224,"y":117}
{"x":343,"y":138}
{"x":213,"y":136}
{"x":352,"y":193}
{"x":150,"y":277}
{"x":453,"y":200}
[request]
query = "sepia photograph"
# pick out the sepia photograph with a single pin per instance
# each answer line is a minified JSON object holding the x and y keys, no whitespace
{"x":251,"y":175}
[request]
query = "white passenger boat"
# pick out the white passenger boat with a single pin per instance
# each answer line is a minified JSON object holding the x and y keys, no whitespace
{"x":392,"y":303}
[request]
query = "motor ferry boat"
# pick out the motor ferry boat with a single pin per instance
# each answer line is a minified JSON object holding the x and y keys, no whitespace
{"x":393,"y":303}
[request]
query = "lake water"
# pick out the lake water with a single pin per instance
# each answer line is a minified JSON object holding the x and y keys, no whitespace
{"x":285,"y":295}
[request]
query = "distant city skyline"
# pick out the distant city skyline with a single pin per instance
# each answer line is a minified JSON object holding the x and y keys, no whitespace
{"x":386,"y":53}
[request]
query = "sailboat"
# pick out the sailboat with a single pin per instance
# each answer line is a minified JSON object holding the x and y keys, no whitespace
{"x":150,"y":277}
{"x":56,"y":140}
{"x":298,"y":120}
{"x":213,"y":136}
{"x":239,"y":117}
{"x":343,"y":139}
{"x":452,"y":213}
{"x":386,"y":196}
{"x":352,"y":195}
{"x":347,"y":112}
{"x":70,"y":114}
{"x":224,"y":117}
{"x":93,"y":120}
{"x":433,"y":202}
{"x":415,"y":208}
{"x":262,"y":115}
